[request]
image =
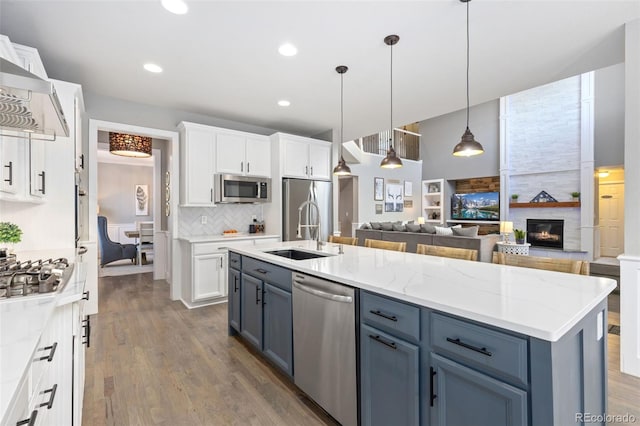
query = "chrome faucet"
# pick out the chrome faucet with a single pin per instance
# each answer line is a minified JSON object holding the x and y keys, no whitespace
{"x":319,"y":243}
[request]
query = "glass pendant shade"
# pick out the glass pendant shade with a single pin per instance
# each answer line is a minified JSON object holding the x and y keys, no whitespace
{"x":467,"y":146}
{"x":341,"y":169}
{"x":129,"y":145}
{"x":391,"y":161}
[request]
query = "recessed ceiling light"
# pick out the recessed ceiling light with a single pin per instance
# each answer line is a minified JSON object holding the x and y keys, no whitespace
{"x":284,"y":103}
{"x":288,"y":49}
{"x":175,"y":6}
{"x":152,"y":68}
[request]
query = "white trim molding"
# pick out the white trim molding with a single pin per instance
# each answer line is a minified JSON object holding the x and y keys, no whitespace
{"x":629,"y":314}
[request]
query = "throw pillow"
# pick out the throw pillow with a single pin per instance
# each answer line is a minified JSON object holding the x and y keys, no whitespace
{"x":376,"y":225}
{"x":471,"y":231}
{"x":413,"y":227}
{"x":427,"y":228}
{"x":400,"y":228}
{"x":386,"y":226}
{"x":365,"y":225}
{"x":443,"y":230}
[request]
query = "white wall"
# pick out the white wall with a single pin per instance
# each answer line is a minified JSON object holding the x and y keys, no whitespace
{"x":609,"y":116}
{"x":370,"y":168}
{"x":116,"y":191}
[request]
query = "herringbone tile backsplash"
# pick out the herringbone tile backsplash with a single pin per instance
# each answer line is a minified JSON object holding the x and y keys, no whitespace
{"x":224,"y":216}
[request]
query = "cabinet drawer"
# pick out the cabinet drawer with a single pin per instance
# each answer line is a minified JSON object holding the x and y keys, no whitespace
{"x":397,"y":318}
{"x":211,"y":248}
{"x":486,"y":349}
{"x":275,"y":275}
{"x":235,"y":261}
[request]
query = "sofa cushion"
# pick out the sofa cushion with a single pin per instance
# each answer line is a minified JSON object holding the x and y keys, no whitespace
{"x":386,"y":226}
{"x":471,"y":231}
{"x":399,"y":227}
{"x":443,"y":230}
{"x":376,"y":225}
{"x":427,"y":228}
{"x":413,"y":227}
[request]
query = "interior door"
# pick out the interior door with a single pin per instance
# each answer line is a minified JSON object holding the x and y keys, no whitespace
{"x":611,"y":207}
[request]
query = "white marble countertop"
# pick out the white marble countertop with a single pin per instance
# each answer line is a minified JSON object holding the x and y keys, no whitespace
{"x":22,"y":321}
{"x":537,"y":303}
{"x":223,"y":238}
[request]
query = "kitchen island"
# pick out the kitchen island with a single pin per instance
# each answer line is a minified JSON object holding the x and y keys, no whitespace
{"x":488,"y":343}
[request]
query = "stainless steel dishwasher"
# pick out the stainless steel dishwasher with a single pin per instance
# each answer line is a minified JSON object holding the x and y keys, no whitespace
{"x":324,"y":345}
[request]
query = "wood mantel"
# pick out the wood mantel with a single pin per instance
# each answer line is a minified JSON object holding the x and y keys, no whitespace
{"x":544,"y":205}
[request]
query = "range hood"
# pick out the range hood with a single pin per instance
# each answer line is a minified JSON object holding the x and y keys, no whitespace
{"x":29,"y":104}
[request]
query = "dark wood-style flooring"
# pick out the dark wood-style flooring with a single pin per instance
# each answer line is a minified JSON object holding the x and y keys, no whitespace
{"x":154,"y":362}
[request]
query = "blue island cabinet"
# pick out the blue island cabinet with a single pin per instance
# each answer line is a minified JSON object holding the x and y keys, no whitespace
{"x":234,"y":293}
{"x":265,"y":310}
{"x":389,"y":364}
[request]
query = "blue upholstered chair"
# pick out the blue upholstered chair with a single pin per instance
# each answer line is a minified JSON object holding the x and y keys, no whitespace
{"x":110,"y":251}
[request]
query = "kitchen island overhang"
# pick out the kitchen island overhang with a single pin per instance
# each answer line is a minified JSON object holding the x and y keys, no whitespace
{"x":537,"y":303}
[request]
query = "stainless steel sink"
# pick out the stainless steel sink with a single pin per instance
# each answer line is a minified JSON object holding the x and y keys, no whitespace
{"x":297,"y":254}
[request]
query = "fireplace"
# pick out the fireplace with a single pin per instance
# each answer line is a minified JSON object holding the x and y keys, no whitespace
{"x":545,"y":233}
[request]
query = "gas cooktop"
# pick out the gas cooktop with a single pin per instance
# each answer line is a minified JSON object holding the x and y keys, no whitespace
{"x":32,"y":277}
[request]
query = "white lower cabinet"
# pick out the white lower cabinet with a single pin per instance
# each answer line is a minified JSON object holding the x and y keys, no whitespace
{"x":52,"y":388}
{"x":204,"y":270}
{"x":208,"y":276}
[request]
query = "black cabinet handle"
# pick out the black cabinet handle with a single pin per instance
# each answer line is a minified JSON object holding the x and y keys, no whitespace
{"x":242,"y":166}
{"x":311,"y":170}
{"x":82,"y":161}
{"x":43,"y":176}
{"x":432,"y":395}
{"x":306,"y":170}
{"x":85,"y":295}
{"x":264,"y":298}
{"x":248,"y":167}
{"x":30,"y":421}
{"x":377,"y":338}
{"x":483,"y":351}
{"x":262,"y":271}
{"x":10,"y":180}
{"x":257,"y":295}
{"x":49,"y":403}
{"x":235,"y":284}
{"x":383,"y":315}
{"x":211,"y":194}
{"x":87,"y":328}
{"x":52,"y":352}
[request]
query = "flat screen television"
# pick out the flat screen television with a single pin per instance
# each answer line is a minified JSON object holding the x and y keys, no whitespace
{"x":476,"y":206}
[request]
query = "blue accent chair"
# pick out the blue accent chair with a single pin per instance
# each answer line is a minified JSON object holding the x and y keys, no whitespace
{"x":110,"y":251}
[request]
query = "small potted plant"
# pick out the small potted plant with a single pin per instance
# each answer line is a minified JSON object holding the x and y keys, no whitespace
{"x":520,"y":235}
{"x":10,"y":233}
{"x":514,"y":198}
{"x":576,"y":196}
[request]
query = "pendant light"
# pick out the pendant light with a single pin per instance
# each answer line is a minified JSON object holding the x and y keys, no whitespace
{"x":129,"y":145}
{"x":341,"y":169}
{"x":391,"y":161}
{"x":467,"y":146}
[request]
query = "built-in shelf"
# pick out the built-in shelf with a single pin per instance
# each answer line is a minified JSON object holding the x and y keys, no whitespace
{"x":550,"y":205}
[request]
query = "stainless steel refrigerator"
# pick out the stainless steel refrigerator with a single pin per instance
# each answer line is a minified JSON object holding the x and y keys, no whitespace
{"x":294,"y":193}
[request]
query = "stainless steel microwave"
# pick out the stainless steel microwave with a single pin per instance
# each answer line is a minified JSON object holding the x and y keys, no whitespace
{"x":241,"y":189}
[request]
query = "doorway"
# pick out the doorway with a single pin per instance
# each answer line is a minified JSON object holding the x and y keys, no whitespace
{"x":347,"y":204}
{"x":611,"y":213}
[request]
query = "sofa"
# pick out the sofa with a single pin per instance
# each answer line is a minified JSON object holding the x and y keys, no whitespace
{"x":485,"y":244}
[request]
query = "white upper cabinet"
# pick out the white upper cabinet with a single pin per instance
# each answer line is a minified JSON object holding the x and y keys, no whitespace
{"x":305,"y":158}
{"x":243,"y":154}
{"x":12,"y":167}
{"x":37,"y":168}
{"x":197,"y":148}
{"x":29,"y":59}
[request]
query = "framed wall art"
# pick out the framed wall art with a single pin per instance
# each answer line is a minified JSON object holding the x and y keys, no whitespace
{"x":142,"y":200}
{"x":394,"y":201}
{"x":378,"y":189}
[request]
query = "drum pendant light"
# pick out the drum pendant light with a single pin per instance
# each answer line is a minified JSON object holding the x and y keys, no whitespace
{"x":467,"y":146}
{"x":129,"y":145}
{"x":341,"y":169}
{"x":391,"y":161}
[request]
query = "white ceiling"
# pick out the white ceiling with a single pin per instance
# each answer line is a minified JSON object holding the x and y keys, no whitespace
{"x":221,"y":58}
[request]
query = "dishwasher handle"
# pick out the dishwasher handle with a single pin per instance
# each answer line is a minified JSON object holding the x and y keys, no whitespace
{"x":323,"y":294}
